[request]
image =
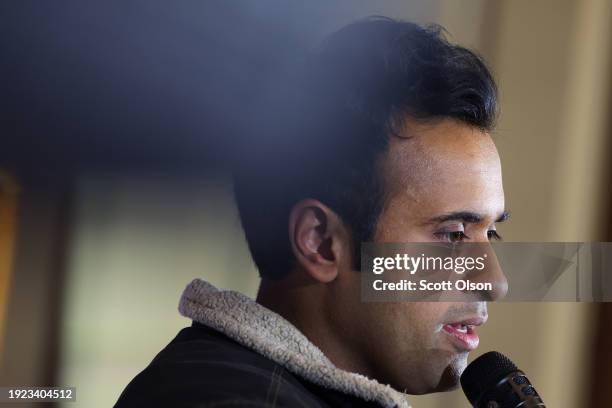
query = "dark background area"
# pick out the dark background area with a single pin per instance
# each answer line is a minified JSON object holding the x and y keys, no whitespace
{"x":143,"y":83}
{"x":127,"y":83}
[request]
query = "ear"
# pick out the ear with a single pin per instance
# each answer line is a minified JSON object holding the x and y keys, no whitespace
{"x":319,"y":240}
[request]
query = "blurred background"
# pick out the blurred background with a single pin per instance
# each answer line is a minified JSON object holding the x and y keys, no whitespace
{"x":117,"y":124}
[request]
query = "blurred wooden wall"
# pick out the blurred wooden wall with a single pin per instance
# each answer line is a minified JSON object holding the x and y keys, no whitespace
{"x":31,"y":321}
{"x":8,"y":215}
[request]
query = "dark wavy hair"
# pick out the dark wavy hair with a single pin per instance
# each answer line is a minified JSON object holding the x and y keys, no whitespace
{"x":323,"y":137}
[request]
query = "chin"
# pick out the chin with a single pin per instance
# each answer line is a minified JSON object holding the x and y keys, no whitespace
{"x":447,"y":373}
{"x":436,"y":375}
{"x":449,"y":379}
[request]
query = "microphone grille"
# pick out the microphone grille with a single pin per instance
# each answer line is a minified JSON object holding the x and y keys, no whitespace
{"x":484,"y":373}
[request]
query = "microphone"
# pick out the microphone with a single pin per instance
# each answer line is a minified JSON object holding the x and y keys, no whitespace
{"x":493,"y":381}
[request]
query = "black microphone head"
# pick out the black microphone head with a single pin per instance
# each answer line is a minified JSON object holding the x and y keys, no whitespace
{"x":484,"y":373}
{"x":492,"y":380}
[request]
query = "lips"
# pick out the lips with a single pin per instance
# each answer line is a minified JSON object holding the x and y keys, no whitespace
{"x":463,"y":333}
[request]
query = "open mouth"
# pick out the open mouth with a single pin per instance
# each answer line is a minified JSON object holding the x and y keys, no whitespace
{"x":463,"y":334}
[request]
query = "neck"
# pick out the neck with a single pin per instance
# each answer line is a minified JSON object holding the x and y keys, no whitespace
{"x":308,"y":306}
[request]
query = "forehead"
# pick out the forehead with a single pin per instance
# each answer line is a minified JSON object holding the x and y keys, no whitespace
{"x":445,"y":165}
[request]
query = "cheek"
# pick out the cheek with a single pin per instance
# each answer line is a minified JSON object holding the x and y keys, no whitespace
{"x":429,"y":314}
{"x":419,"y":321}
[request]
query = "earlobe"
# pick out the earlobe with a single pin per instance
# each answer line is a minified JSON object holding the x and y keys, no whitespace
{"x":313,"y":233}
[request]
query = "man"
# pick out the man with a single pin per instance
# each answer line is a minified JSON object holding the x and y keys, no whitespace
{"x":384,"y":139}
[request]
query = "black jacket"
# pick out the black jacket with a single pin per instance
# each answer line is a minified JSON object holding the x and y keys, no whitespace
{"x":203,"y":368}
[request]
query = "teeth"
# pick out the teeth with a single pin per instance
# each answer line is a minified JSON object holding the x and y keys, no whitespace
{"x":462,"y":328}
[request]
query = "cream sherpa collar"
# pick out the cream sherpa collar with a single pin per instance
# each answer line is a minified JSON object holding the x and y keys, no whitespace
{"x":260,"y":329}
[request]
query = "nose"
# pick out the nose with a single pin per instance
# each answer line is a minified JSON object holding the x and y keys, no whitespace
{"x":491,"y":273}
{"x":496,"y":276}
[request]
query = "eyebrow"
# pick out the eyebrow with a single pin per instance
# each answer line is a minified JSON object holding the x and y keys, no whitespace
{"x":467,"y":216}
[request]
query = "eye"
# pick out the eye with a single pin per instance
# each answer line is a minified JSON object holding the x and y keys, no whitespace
{"x":452,"y":236}
{"x":493,"y":235}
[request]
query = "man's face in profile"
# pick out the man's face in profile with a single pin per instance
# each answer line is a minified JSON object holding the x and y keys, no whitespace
{"x":443,"y":183}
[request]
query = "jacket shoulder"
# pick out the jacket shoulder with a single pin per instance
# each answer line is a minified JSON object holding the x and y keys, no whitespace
{"x":204,"y":368}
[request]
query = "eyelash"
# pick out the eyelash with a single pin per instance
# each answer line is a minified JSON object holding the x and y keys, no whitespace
{"x":494,"y":235}
{"x":458,"y":236}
